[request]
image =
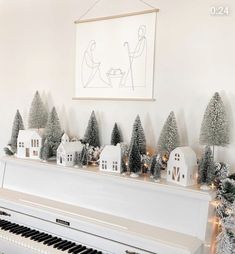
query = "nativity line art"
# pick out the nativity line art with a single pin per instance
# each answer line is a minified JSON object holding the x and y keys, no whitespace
{"x":131,"y":76}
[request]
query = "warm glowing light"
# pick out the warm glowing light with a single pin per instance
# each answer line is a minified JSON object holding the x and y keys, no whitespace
{"x":212,"y":186}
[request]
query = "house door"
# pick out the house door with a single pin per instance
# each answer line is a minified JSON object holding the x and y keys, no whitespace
{"x":60,"y":159}
{"x":27,"y":152}
{"x":176,"y":174}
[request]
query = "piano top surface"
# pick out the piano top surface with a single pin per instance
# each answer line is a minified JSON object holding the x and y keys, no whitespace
{"x":135,"y":228}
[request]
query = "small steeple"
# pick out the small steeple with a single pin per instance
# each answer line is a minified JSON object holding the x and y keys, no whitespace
{"x":65,"y":138}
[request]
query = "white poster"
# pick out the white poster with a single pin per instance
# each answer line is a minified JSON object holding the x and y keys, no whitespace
{"x":115,"y":58}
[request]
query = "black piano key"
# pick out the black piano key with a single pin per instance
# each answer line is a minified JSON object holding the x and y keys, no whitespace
{"x":87,"y":251}
{"x":50,"y":239}
{"x":5,"y":224}
{"x":9,"y":227}
{"x":55,"y":241}
{"x":36,"y":235}
{"x":23,"y":231}
{"x":62,"y":245}
{"x":68,"y":246}
{"x":74,"y":248}
{"x":79,"y":250}
{"x":93,"y":252}
{"x":36,"y":238}
{"x":44,"y":238}
{"x":29,"y":233}
{"x":2,"y":222}
{"x":15,"y":229}
{"x":59,"y":243}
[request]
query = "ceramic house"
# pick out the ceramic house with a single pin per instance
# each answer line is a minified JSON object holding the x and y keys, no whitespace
{"x":110,"y":159}
{"x":66,"y":152}
{"x":29,"y":143}
{"x":182,"y":166}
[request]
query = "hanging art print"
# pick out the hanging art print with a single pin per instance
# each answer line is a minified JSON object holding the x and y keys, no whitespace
{"x":115,"y":57}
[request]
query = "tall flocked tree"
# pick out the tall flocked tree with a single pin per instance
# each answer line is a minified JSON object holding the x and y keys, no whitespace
{"x":17,"y":126}
{"x":92,"y":132}
{"x":206,"y":169}
{"x":38,"y":114}
{"x":169,"y":137}
{"x":138,"y":136}
{"x":215,"y":124}
{"x":116,"y":135}
{"x":53,"y":132}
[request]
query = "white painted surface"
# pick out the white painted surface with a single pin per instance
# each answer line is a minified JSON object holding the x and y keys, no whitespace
{"x":195,"y":57}
{"x":114,"y":195}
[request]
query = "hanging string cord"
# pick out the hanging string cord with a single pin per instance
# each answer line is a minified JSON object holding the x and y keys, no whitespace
{"x":149,"y":5}
{"x":92,"y":7}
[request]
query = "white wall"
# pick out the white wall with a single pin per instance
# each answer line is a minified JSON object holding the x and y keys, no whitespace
{"x":195,"y":57}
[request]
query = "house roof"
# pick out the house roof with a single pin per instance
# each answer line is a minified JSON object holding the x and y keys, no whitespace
{"x":27,"y":134}
{"x":111,"y":151}
{"x":186,"y":153}
{"x":69,"y":147}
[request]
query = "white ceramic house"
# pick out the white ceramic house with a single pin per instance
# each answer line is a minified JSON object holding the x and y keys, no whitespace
{"x":110,"y":159}
{"x":182,"y":166}
{"x":29,"y":143}
{"x":66,"y":151}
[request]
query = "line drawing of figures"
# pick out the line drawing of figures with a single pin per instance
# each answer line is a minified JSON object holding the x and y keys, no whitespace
{"x":137,"y":61}
{"x":90,"y":71}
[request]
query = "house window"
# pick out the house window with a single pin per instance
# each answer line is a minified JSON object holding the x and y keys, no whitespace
{"x":69,"y":157}
{"x":177,"y":157}
{"x":35,"y":153}
{"x":21,"y":144}
{"x":115,"y":166}
{"x":104,"y":164}
{"x":182,"y":176}
{"x":176,"y":174}
{"x":34,"y":143}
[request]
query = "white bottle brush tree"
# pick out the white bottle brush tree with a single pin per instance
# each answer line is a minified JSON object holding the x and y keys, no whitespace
{"x":17,"y":126}
{"x":92,"y":132}
{"x":38,"y":114}
{"x":215,"y":129}
{"x":169,"y":137}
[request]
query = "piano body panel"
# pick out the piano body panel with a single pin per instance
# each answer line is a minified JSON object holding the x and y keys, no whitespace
{"x":114,"y":235}
{"x":138,"y":204}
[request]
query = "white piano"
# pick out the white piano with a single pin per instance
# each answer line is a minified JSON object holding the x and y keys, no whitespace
{"x":45,"y":208}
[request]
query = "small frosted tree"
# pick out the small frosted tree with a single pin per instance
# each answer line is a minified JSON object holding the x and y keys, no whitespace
{"x":152,"y":165}
{"x":53,"y":131}
{"x":38,"y":114}
{"x":157,"y":171}
{"x":206,"y":169}
{"x":138,"y":136}
{"x":169,"y":137}
{"x":46,"y":151}
{"x":215,"y":125}
{"x":84,"y":156}
{"x":134,"y":159}
{"x":17,"y":126}
{"x":116,"y":135}
{"x":92,"y":132}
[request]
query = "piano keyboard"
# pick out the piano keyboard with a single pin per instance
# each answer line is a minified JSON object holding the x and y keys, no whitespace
{"x":40,"y":242}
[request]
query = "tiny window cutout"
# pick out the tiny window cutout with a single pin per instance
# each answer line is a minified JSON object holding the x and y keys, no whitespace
{"x":22,"y":144}
{"x":177,"y":157}
{"x":31,"y":143}
{"x":183,"y":176}
{"x":37,"y":143}
{"x":169,"y":172}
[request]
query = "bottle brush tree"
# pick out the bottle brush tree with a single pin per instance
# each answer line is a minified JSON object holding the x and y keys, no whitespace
{"x":215,"y":129}
{"x":38,"y":114}
{"x":116,"y":135}
{"x":134,"y":159}
{"x":206,"y":169}
{"x":92,"y":132}
{"x":17,"y":126}
{"x":138,"y":136}
{"x":169,"y":136}
{"x":53,"y":132}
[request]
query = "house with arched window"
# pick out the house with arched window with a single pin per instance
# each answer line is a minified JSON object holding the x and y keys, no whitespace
{"x":182,"y":166}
